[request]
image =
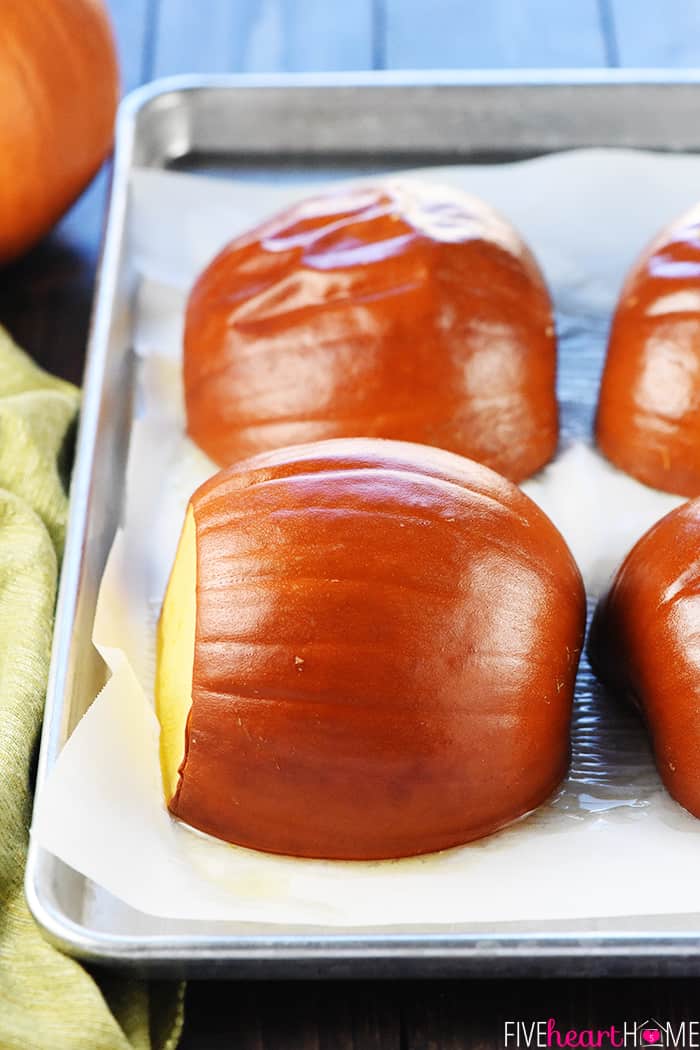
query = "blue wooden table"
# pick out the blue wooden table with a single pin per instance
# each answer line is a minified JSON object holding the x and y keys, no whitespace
{"x":178,"y":36}
{"x":45,"y":301}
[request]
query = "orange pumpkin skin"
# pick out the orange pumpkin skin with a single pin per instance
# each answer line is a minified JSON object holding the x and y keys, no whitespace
{"x":402,"y":310}
{"x":59,"y":85}
{"x":386,"y":645}
{"x":645,"y":643}
{"x":648,"y":419}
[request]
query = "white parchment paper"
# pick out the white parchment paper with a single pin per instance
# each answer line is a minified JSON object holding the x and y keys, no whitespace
{"x":610,"y":842}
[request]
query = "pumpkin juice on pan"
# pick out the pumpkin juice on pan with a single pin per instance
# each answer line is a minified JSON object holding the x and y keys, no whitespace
{"x":401,"y":310}
{"x":367,"y":650}
{"x":645,"y":643}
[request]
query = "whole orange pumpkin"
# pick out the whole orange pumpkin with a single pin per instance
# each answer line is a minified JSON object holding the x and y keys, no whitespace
{"x":59,"y":85}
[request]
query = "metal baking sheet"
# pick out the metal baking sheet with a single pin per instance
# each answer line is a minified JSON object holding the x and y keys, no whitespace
{"x":289,"y":126}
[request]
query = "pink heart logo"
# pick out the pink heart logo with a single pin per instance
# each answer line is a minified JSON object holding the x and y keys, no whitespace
{"x":651,"y":1035}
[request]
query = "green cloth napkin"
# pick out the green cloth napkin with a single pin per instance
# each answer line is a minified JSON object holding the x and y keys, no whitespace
{"x":47,"y":1000}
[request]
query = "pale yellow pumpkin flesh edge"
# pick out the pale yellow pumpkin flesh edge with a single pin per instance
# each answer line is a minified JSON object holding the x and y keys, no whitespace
{"x":175,"y":656}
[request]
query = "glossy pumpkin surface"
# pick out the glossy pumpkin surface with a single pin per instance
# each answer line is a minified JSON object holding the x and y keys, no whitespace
{"x":387,"y":637}
{"x":645,"y":642}
{"x":399,"y":310}
{"x":648,"y":419}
